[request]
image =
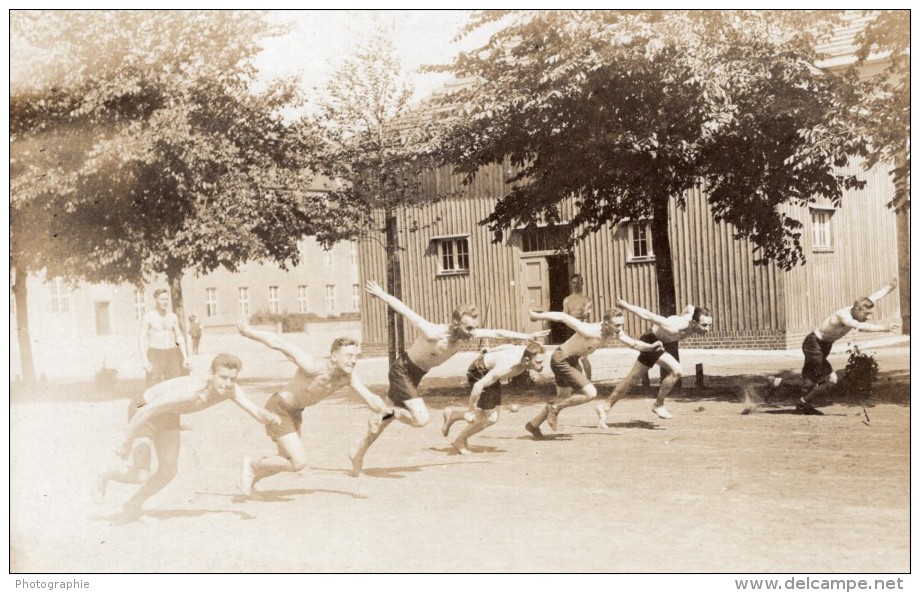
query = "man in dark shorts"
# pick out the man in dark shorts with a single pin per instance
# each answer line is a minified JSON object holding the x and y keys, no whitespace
{"x":485,"y":375}
{"x":314,"y":380}
{"x":435,"y":345}
{"x":162,"y":345}
{"x":817,"y":372}
{"x":572,"y":386}
{"x":668,"y":331}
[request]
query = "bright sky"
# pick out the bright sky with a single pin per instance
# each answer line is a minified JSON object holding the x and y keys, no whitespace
{"x":323,"y":38}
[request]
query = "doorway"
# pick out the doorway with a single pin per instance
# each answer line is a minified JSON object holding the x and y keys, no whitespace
{"x":545,"y":286}
{"x":102,"y":318}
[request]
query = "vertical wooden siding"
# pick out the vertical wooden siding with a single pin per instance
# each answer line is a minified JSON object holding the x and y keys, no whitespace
{"x":711,"y":268}
{"x":864,"y":257}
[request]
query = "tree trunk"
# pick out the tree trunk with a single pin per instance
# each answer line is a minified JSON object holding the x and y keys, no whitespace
{"x":395,"y":335}
{"x":174,"y":278}
{"x":902,"y":220}
{"x":664,"y":267}
{"x":20,"y":294}
{"x":664,"y":264}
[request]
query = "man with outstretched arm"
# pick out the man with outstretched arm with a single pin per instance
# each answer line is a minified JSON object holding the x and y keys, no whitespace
{"x":486,"y":374}
{"x":669,"y":331}
{"x":154,"y":420}
{"x":817,"y":372}
{"x":434,"y":346}
{"x":313,"y":381}
{"x":572,"y":386}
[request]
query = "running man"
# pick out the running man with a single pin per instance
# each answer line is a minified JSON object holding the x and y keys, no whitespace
{"x":162,"y":345}
{"x":314,"y":380}
{"x":154,"y":420}
{"x":485,"y":375}
{"x":572,"y":386}
{"x":669,"y":331}
{"x":434,"y":346}
{"x":817,"y":372}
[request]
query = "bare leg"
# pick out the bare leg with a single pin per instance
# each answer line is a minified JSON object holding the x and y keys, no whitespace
{"x":671,"y":373}
{"x":585,"y":394}
{"x":484,"y":419}
{"x":166,"y":445}
{"x":450,"y":416}
{"x":636,"y":373}
{"x":375,"y":427}
{"x":291,"y":457}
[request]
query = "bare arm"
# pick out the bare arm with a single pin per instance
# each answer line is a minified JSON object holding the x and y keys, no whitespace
{"x":585,"y":329}
{"x":508,"y":335}
{"x":664,"y":323}
{"x":273,"y":341}
{"x":883,"y":292}
{"x":639,"y":344}
{"x":847,"y":320}
{"x":479,"y":386}
{"x":373,"y":401}
{"x":260,"y":414}
{"x":180,"y":340}
{"x":431,"y":331}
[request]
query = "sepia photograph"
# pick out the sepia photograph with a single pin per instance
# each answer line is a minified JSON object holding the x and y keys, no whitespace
{"x":612,"y":292}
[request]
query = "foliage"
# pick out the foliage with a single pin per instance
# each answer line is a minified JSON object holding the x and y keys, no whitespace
{"x":372,"y":144}
{"x":885,"y":116}
{"x":139,"y":146}
{"x":624,"y":111}
{"x":859,"y":376}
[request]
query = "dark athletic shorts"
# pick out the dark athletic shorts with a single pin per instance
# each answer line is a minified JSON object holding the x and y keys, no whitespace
{"x":650,"y":359}
{"x":816,"y":351}
{"x":491,"y":396}
{"x":158,"y":423}
{"x":568,"y":372}
{"x":291,"y":418}
{"x":165,"y":365}
{"x":404,"y":379}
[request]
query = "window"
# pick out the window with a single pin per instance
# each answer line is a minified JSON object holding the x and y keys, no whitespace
{"x":821,"y":236}
{"x":327,"y":257}
{"x":330,"y":297}
{"x":210,"y":302}
{"x":640,"y":242}
{"x":140,"y":304}
{"x":453,"y":255}
{"x":356,"y":297}
{"x":60,"y":296}
{"x":243,"y":300}
{"x":302,"y":300}
{"x":543,"y":238}
{"x":274,"y":300}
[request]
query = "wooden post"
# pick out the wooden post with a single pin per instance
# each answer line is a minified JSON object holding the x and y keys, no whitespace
{"x":699,"y":376}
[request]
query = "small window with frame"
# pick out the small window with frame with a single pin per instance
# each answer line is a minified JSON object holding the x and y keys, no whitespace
{"x":453,"y":255}
{"x":640,"y":241}
{"x":822,"y":235}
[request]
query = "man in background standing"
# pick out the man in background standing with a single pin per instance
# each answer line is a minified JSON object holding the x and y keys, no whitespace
{"x":162,"y":345}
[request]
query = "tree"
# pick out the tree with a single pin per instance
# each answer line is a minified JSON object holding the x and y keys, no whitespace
{"x":625,"y":111}
{"x":373,"y":152}
{"x":884,"y":115}
{"x":139,"y":146}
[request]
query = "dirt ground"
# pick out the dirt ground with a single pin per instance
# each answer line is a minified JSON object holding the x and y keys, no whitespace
{"x":711,"y":490}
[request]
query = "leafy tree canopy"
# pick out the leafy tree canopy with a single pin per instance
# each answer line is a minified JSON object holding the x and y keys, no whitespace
{"x":625,"y":110}
{"x":139,"y":145}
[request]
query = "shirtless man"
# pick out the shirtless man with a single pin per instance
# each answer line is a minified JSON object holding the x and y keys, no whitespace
{"x":162,"y":345}
{"x":313,"y":381}
{"x":817,"y":371}
{"x":154,"y":419}
{"x":572,"y":386}
{"x":579,"y":306}
{"x":668,"y":331}
{"x":485,"y":375}
{"x":435,"y":344}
